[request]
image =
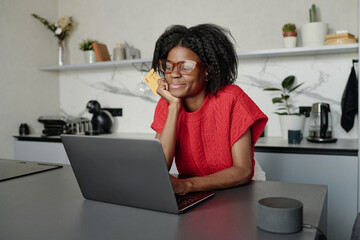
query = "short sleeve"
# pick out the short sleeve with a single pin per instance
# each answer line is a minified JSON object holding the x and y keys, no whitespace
{"x":160,"y":115}
{"x":246,"y":114}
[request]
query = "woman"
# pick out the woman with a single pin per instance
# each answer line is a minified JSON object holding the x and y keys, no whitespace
{"x":208,"y":124}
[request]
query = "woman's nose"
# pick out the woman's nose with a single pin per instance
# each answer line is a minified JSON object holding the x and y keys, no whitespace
{"x":175,"y":72}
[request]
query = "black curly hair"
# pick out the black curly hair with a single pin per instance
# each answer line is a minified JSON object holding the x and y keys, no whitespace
{"x":213,"y":46}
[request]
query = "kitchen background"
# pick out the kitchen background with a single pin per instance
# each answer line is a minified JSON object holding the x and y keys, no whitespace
{"x":26,"y":93}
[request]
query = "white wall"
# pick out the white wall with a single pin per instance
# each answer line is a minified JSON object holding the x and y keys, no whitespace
{"x":254,"y":25}
{"x":25,"y":93}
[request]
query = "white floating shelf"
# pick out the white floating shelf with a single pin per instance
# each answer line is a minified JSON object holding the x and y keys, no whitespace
{"x":96,"y":65}
{"x":281,"y":52}
{"x":300,"y":51}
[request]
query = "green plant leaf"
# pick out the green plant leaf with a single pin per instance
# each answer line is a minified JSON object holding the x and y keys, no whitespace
{"x":286,"y":107}
{"x":86,"y":45}
{"x":272,"y":89}
{"x":285,"y":97}
{"x":288,"y":81}
{"x":277,"y":100}
{"x":296,"y":87}
{"x":289,"y":27}
{"x":314,"y":13}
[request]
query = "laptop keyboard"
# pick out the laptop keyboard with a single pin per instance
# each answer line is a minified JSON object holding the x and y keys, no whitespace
{"x":186,"y":200}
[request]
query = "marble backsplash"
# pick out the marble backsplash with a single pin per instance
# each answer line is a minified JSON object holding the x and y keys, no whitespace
{"x":324,"y":77}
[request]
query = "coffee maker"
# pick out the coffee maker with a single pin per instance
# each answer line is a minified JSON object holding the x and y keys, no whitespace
{"x":320,"y":124}
{"x":101,"y":121}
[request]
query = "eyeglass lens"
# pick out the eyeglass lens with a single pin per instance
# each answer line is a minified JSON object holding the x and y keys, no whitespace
{"x":184,"y":67}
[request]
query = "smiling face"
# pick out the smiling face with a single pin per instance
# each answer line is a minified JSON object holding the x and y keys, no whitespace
{"x":189,"y":86}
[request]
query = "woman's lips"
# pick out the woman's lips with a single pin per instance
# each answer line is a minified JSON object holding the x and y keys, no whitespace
{"x":174,"y":86}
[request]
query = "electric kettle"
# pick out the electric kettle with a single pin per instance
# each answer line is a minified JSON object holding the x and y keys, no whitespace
{"x":320,"y":124}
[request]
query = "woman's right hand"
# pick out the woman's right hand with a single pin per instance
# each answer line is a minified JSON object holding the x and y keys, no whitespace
{"x":163,"y":91}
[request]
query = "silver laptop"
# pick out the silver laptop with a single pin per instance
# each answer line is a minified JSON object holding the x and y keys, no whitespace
{"x":125,"y":171}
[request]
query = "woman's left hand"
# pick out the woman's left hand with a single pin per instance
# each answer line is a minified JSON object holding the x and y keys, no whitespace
{"x":180,"y":186}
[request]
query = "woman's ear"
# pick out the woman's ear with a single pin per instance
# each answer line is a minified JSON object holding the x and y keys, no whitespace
{"x":207,"y":77}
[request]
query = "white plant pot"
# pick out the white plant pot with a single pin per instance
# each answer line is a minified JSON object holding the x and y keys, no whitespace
{"x":290,"y":42}
{"x":313,"y":34}
{"x":89,"y":56}
{"x":291,"y":122}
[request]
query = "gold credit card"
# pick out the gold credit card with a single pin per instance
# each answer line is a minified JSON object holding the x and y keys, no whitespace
{"x":151,"y":80}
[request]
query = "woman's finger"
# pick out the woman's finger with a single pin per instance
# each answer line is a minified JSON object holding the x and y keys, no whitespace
{"x":162,"y":84}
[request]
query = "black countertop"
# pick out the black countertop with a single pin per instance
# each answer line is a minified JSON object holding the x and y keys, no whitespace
{"x":345,"y":147}
{"x":10,"y":169}
{"x":38,"y":138}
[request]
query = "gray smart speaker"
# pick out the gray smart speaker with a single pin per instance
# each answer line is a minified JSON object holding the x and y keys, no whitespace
{"x":280,"y":215}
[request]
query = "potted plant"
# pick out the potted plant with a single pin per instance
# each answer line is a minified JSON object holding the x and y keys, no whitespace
{"x":313,"y":33}
{"x":89,"y":54}
{"x":289,"y":119}
{"x":290,"y":35}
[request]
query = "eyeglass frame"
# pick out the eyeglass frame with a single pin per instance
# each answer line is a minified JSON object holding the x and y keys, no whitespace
{"x":177,"y":64}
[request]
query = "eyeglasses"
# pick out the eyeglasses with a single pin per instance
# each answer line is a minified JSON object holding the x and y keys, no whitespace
{"x":184,"y":67}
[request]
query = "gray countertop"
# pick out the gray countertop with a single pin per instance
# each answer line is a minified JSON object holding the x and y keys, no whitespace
{"x":49,"y":205}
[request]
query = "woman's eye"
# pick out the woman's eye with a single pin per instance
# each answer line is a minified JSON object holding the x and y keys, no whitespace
{"x":186,"y":66}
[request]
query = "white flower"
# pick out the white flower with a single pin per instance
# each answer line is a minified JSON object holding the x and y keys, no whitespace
{"x":63,"y":22}
{"x":58,"y":31}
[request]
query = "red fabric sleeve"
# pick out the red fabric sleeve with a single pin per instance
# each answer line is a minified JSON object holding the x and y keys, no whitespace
{"x":160,"y":115}
{"x":245,"y":113}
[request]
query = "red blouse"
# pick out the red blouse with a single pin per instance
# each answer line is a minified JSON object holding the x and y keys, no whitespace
{"x":204,"y":138}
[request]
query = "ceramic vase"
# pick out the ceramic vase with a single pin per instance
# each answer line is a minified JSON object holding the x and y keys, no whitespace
{"x":291,"y":122}
{"x":89,"y":56}
{"x":61,"y":52}
{"x":313,"y":34}
{"x":290,"y":42}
